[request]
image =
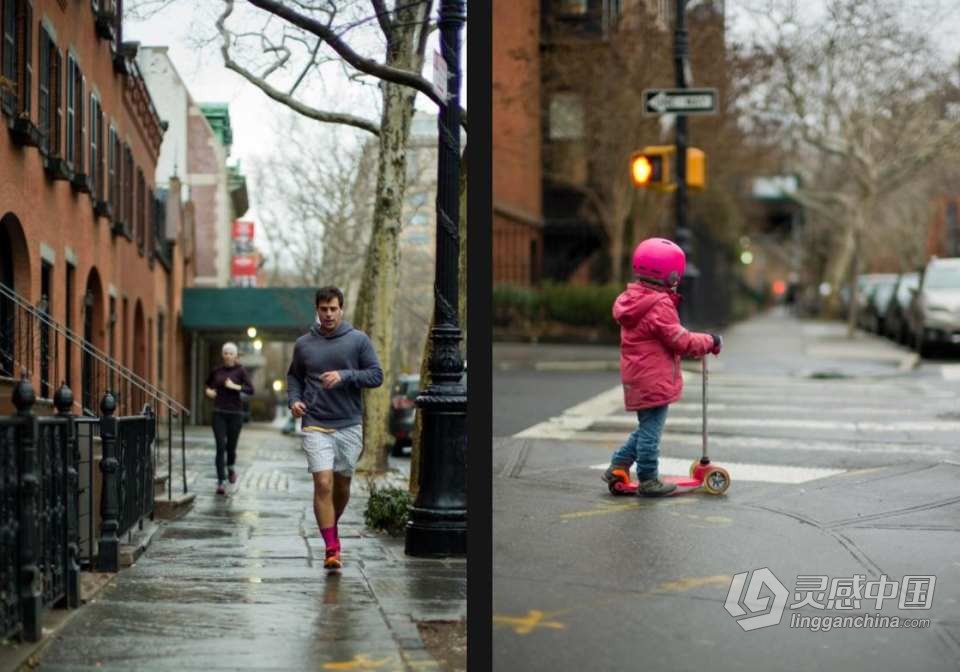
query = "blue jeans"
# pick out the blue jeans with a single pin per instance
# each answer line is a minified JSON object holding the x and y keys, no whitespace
{"x":643,"y":445}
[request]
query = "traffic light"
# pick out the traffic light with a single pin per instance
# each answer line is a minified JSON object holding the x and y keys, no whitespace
{"x":652,"y":168}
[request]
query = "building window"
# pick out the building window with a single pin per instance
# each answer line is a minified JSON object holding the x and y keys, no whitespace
{"x":50,"y":96}
{"x":46,"y":344}
{"x":113,"y":173}
{"x":71,"y":130}
{"x":15,"y":54}
{"x":80,"y":127}
{"x":127,"y":190}
{"x":141,"y":212}
{"x":96,"y":141}
{"x":68,"y":351}
{"x":160,"y":322}
{"x":566,"y":116}
{"x":572,"y":7}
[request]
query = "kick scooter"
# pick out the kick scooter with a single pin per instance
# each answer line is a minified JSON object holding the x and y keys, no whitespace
{"x":703,"y":475}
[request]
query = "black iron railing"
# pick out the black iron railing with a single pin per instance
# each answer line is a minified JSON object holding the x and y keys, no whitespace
{"x":40,"y":501}
{"x":31,"y":339}
{"x":39,"y":564}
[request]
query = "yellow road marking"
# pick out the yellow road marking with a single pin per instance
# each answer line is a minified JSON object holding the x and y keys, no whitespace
{"x":360,"y":662}
{"x":604,"y":508}
{"x":533,"y":620}
{"x":691,"y":582}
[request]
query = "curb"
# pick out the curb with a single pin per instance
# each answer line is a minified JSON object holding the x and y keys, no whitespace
{"x":129,"y":553}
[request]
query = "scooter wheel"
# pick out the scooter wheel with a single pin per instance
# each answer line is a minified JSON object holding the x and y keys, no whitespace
{"x":716,"y":480}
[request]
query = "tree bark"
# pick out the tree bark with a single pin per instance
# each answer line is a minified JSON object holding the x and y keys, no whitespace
{"x":378,"y":288}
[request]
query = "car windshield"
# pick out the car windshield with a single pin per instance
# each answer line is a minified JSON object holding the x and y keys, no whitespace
{"x":906,"y":284}
{"x":942,"y":277}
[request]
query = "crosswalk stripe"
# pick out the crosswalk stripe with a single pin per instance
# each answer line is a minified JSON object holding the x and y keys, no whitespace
{"x":731,"y":442}
{"x":743,"y":410}
{"x":829,"y":409}
{"x":628,"y":423}
{"x":740,"y":471}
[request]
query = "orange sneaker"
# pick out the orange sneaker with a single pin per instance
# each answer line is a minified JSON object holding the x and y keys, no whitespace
{"x":332,"y":560}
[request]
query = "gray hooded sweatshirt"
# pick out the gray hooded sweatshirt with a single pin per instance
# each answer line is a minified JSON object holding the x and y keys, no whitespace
{"x":347,"y":351}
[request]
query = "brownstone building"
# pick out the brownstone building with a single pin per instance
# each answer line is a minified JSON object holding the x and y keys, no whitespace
{"x":81,"y":228}
{"x":517,"y":174}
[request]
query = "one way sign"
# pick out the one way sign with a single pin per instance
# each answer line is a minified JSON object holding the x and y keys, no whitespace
{"x":679,"y":101}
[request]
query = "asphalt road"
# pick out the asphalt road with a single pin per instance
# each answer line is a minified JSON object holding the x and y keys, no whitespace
{"x":854,"y":474}
{"x":522,"y":398}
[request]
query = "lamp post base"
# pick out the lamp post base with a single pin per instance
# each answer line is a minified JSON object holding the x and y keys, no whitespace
{"x":432,"y":533}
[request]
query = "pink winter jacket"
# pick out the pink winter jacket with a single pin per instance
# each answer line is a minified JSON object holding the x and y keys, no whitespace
{"x":651,"y":345}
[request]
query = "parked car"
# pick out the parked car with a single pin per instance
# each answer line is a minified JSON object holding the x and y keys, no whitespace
{"x":896,"y":324}
{"x":935,"y":307}
{"x":866,"y":284}
{"x":403,"y":412}
{"x":877,"y":302}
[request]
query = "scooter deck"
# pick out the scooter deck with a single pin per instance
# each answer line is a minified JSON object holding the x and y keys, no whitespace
{"x":684,"y":484}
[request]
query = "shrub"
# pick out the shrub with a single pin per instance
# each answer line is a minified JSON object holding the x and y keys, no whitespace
{"x":387,"y":509}
{"x":512,"y":303}
{"x":580,"y":305}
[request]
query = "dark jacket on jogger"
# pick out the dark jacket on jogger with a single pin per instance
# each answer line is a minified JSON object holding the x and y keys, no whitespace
{"x":347,"y":351}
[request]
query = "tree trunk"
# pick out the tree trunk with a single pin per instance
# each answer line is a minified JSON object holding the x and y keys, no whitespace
{"x":837,"y":271}
{"x":428,"y":347}
{"x":378,"y":288}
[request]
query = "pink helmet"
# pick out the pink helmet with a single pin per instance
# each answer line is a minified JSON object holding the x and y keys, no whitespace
{"x":659,"y":260}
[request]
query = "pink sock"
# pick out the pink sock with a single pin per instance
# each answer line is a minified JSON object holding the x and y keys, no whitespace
{"x":329,"y":535}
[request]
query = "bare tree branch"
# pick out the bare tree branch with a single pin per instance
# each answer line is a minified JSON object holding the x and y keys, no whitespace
{"x":281,"y":97}
{"x":383,"y":16}
{"x":345,"y":51}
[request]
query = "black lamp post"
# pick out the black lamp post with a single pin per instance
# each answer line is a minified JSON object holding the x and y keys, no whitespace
{"x":438,"y":518}
{"x":683,"y":235}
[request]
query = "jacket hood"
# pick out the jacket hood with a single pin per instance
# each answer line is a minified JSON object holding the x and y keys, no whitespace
{"x":341,"y":329}
{"x":637,"y":301}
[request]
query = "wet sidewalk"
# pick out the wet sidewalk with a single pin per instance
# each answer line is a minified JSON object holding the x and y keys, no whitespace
{"x":238,"y":583}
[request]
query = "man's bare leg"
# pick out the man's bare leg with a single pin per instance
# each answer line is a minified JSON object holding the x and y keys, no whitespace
{"x":323,"y":499}
{"x":341,"y":494}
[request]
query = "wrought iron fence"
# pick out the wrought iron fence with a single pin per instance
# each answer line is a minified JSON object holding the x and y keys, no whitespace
{"x":10,"y":622}
{"x":135,"y":435}
{"x":30,"y":339}
{"x":40,"y":501}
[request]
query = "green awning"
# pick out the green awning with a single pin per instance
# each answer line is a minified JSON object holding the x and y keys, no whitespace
{"x":229,"y":308}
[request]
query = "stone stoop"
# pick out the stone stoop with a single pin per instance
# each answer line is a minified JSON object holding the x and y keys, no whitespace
{"x":137,"y":541}
{"x":165,"y":508}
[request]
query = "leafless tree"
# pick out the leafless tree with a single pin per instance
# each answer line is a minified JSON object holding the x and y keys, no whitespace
{"x":314,"y":201}
{"x":859,"y":93}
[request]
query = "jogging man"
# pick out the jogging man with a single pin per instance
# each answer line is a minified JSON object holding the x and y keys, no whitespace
{"x":331,"y":364}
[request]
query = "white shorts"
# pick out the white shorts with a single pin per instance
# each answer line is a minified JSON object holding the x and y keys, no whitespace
{"x":338,"y":450}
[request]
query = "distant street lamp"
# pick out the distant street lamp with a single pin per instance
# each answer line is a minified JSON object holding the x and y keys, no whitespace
{"x":252,"y":332}
{"x":438,"y":517}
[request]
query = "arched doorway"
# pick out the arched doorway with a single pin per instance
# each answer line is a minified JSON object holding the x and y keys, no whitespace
{"x":139,"y":354}
{"x":15,"y":276}
{"x":93,"y":375}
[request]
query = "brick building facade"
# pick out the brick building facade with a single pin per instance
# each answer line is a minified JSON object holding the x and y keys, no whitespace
{"x":81,"y":227}
{"x":517,"y":173}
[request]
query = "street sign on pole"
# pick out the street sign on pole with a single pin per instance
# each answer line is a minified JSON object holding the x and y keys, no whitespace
{"x":679,"y":101}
